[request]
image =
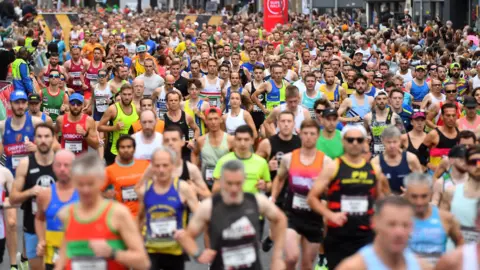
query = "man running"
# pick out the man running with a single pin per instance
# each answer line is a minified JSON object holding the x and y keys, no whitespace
{"x":393,"y":224}
{"x":273,"y":89}
{"x":124,"y":174}
{"x":435,"y":117}
{"x":249,"y":89}
{"x":159,"y":96}
{"x":49,"y":202}
{"x":34,"y":105}
{"x":394,"y":163}
{"x":302,"y":166}
{"x":98,"y":233}
{"x":163,"y":211}
{"x":43,"y":78}
{"x":77,"y":128}
{"x":235,"y":239}
{"x":147,"y":139}
{"x":122,"y":115}
{"x":358,"y":104}
{"x":431,"y":226}
{"x":33,"y":174}
{"x":54,"y":99}
{"x":75,"y":69}
{"x":352,"y":185}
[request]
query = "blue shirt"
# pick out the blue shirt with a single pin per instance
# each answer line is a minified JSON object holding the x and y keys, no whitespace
{"x":249,"y":66}
{"x":127,"y":60}
{"x":339,"y":126}
{"x":151,"y":46}
{"x":61,"y":49}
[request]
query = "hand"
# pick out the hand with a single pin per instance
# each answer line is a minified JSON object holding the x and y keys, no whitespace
{"x":191,"y":145}
{"x":63,"y":108}
{"x":85,"y":87}
{"x":100,"y":248}
{"x":266,"y":112}
{"x":207,"y":256}
{"x":80,"y":130}
{"x":278,"y":264}
{"x":195,"y":110}
{"x":119,"y":126}
{"x":355,"y":119}
{"x":41,"y":248}
{"x":178,"y":235}
{"x":444,"y":163}
{"x":261,"y":185}
{"x":338,"y":218}
{"x":35,"y":190}
{"x":30,"y":146}
{"x":273,"y":164}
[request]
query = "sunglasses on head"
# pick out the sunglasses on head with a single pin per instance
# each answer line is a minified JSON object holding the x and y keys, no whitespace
{"x":473,"y":162}
{"x":418,"y":110}
{"x":350,"y":140}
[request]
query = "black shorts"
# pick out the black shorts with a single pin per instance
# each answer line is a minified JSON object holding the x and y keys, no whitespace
{"x":49,"y":266}
{"x":2,"y":249}
{"x":313,"y":232}
{"x":166,"y":262}
{"x":109,"y":157}
{"x":340,"y":248}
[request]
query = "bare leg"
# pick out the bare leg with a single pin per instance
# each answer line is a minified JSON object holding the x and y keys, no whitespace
{"x":11,"y":234}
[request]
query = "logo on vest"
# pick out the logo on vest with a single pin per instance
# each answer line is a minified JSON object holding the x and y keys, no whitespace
{"x":241,"y":228}
{"x":45,"y":181}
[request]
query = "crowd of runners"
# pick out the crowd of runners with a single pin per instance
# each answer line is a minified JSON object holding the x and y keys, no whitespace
{"x":328,"y":143}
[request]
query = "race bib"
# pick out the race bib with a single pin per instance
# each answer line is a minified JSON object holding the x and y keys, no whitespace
{"x":213,"y":102}
{"x":77,"y":82}
{"x":100,"y":102}
{"x":161,"y":115}
{"x":256,"y":108}
{"x":235,"y":257}
{"x":89,"y":263}
{"x":74,"y":146}
{"x":163,"y":227}
{"x":55,"y":255}
{"x":16,"y":161}
{"x":209,"y":174}
{"x":129,"y":194}
{"x":34,"y":206}
{"x":378,"y":148}
{"x":299,"y":202}
{"x":191,"y":134}
{"x":354,"y":204}
{"x":312,"y":113}
{"x":470,"y":234}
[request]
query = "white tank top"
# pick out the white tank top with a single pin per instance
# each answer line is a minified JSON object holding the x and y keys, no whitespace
{"x":470,"y":257}
{"x":289,"y":75}
{"x":407,"y":77}
{"x":102,"y":97}
{"x":435,"y":100}
{"x":232,"y":123}
{"x":476,"y":82}
{"x":366,"y":54}
{"x":299,"y":117}
{"x":143,"y":150}
{"x":212,"y":88}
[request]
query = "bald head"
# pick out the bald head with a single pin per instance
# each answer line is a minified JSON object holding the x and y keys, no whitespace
{"x":170,"y":79}
{"x":138,"y":82}
{"x":147,"y":115}
{"x":62,"y":164}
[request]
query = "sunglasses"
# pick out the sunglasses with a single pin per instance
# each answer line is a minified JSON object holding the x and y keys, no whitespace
{"x":473,"y":162}
{"x":54,"y":76}
{"x":319,"y":111}
{"x":76,"y":103}
{"x":436,"y":85}
{"x":451,"y":91}
{"x":350,"y":140}
{"x":102,"y":75}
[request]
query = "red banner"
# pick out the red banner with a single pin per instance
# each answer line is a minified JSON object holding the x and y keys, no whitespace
{"x":275,"y":12}
{"x":6,"y":88}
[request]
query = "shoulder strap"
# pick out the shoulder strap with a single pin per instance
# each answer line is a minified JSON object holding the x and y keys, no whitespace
{"x":389,"y":116}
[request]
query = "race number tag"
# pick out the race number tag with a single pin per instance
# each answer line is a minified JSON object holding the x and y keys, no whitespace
{"x":256,"y":108}
{"x":74,"y":146}
{"x":34,"y":206}
{"x":235,"y":257}
{"x":161,"y":115}
{"x":378,"y":148}
{"x":354,"y":204}
{"x":100,"y":102}
{"x":300,"y":202}
{"x":163,"y":227}
{"x":77,"y":82}
{"x":89,"y":263}
{"x":470,"y":234}
{"x":213,"y":102}
{"x":128,"y":194}
{"x":191,"y":134}
{"x":209,"y":174}
{"x":312,"y":113}
{"x":16,"y":161}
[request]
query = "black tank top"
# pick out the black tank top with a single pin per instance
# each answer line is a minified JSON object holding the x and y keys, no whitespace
{"x":182,"y":123}
{"x":281,"y":147}
{"x":352,"y":191}
{"x":36,"y":175}
{"x":235,"y":236}
{"x":422,"y":157}
{"x":446,"y":143}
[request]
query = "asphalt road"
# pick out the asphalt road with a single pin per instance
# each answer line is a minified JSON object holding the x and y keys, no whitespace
{"x":265,"y":257}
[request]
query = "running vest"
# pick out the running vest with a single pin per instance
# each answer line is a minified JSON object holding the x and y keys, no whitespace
{"x":37,"y":175}
{"x":308,"y":102}
{"x":236,"y":236}
{"x":373,"y":262}
{"x":276,"y":96}
{"x":139,"y":68}
{"x":281,"y":147}
{"x":127,"y":121}
{"x":372,"y":92}
{"x":51,"y":103}
{"x":46,"y":75}
{"x":395,"y":174}
{"x":419,"y":91}
{"x":161,"y":105}
{"x":54,"y":226}
{"x":210,"y":155}
{"x":331,"y":96}
{"x":261,"y":98}
{"x":91,"y":75}
{"x":352,"y":190}
{"x":333,"y":147}
{"x":299,"y":116}
{"x":440,"y":118}
{"x":349,"y":89}
{"x":470,"y":257}
{"x":465,"y":212}
{"x":75,"y":72}
{"x":71,"y":140}
{"x":165,"y":213}
{"x":102,"y":99}
{"x":144,"y":150}
{"x":227,"y":97}
{"x":200,"y":123}
{"x":377,"y":127}
{"x":428,"y":239}
{"x":443,"y":147}
{"x":14,"y":142}
{"x":358,"y":110}
{"x":300,"y":181}
{"x":212,"y":91}
{"x":233,"y":122}
{"x":465,"y":125}
{"x":80,"y":231}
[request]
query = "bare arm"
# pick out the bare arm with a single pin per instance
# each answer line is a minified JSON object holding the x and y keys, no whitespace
{"x":43,"y":199}
{"x":195,"y":157}
{"x":200,"y":185}
{"x":92,"y":136}
{"x":281,"y":177}
{"x":414,"y":163}
{"x":107,"y":116}
{"x":196,"y":226}
{"x":319,"y":187}
{"x":261,"y":89}
{"x":264,"y":149}
{"x":187,"y":192}
{"x":431,"y":114}
{"x":19,"y":196}
{"x":249,"y":120}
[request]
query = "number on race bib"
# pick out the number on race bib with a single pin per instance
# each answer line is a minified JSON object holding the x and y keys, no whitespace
{"x":354,"y":204}
{"x":34,"y":206}
{"x":163,"y":227}
{"x":235,"y":257}
{"x":209,"y":174}
{"x":77,"y":82}
{"x":378,"y":148}
{"x":191,"y":134}
{"x":74,"y":146}
{"x":129,"y":194}
{"x":89,"y":263}
{"x":470,"y":234}
{"x":55,"y":255}
{"x":299,"y":202}
{"x":16,"y":161}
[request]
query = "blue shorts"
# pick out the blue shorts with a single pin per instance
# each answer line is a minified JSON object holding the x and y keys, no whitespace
{"x":31,"y":241}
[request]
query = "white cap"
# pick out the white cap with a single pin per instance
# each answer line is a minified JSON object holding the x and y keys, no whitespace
{"x":348,"y":128}
{"x":381,"y":92}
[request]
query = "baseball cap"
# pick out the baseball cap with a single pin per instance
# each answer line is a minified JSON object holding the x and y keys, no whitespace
{"x":34,"y":98}
{"x":378,"y":75}
{"x":329,"y":111}
{"x":469,"y":102}
{"x":455,"y":65}
{"x":217,"y":110}
{"x":76,"y":96}
{"x":348,"y":128}
{"x":359,"y":52}
{"x":381,"y":92}
{"x":141,"y":48}
{"x":418,"y":115}
{"x":458,"y":151}
{"x":421,"y":67}
{"x":18,"y":95}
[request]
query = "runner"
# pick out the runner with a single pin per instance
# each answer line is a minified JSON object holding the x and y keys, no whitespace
{"x":310,"y":95}
{"x":235,"y":86}
{"x":159,"y":96}
{"x":418,"y":87}
{"x":435,"y":113}
{"x":147,"y":139}
{"x":434,"y":96}
{"x":138,"y":90}
{"x":274,"y":90}
{"x":33,"y":174}
{"x":98,"y":233}
{"x":120,"y":77}
{"x":43,"y":78}
{"x":146,"y":104}
{"x":49,"y":202}
{"x":163,"y":209}
{"x":331,"y":90}
{"x":236,"y":116}
{"x":389,"y":249}
{"x":34,"y":105}
{"x":413,"y":140}
{"x":357,"y":105}
{"x":301,"y":167}
{"x":352,"y":185}
{"x":394,"y":163}
{"x":122,"y":115}
{"x":330,"y":138}
{"x":150,"y":78}
{"x":235,"y":239}
{"x":91,"y":73}
{"x":194,"y":106}
{"x":101,"y":98}
{"x":395,"y":102}
{"x":75,"y":69}
{"x":249,"y":89}
{"x":77,"y":128}
{"x":212,"y":85}
{"x":54,"y":100}
{"x":470,"y":121}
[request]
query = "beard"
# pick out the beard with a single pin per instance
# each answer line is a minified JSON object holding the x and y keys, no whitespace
{"x":456,"y":75}
{"x":43,"y":148}
{"x":18,"y":113}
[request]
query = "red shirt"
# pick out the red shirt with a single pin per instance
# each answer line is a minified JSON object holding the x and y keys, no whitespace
{"x":71,"y":140}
